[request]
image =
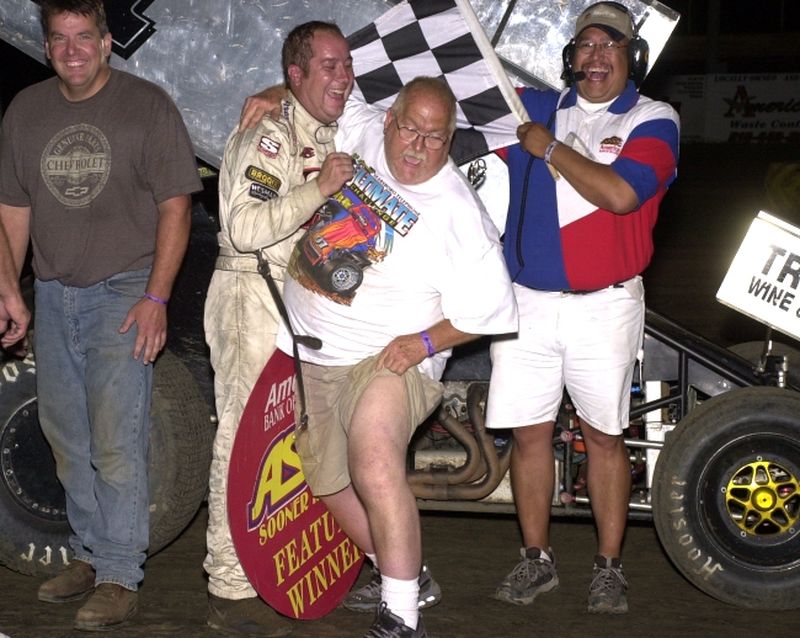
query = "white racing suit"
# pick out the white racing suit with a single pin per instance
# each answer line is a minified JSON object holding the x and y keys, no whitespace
{"x":267,"y":192}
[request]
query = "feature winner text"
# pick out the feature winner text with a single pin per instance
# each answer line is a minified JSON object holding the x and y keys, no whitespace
{"x":311,"y":561}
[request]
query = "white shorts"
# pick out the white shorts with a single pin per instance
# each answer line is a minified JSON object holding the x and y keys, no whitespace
{"x":587,"y":343}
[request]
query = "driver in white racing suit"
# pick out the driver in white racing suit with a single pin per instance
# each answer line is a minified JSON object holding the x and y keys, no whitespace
{"x":272,"y":179}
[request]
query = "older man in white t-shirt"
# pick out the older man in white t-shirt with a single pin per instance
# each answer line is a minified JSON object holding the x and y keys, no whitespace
{"x":400,"y":266}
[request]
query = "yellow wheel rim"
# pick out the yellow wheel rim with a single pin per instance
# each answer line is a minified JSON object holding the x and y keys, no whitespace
{"x":763,"y":499}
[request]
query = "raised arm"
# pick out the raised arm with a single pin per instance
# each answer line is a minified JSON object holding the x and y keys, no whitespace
{"x":261,"y":104}
{"x":595,"y":182}
{"x":268,"y":197}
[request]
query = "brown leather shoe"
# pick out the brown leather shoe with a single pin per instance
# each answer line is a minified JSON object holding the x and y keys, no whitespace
{"x":110,"y":605}
{"x":245,"y":617}
{"x":73,"y":583}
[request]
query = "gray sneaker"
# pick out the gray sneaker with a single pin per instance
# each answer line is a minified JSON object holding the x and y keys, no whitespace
{"x":532,"y":576}
{"x":367,"y":598}
{"x":387,"y":625}
{"x":607,"y":591}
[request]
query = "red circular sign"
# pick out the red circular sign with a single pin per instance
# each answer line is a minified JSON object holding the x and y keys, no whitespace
{"x":295,"y":555}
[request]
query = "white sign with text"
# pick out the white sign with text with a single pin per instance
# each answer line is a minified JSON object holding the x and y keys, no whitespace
{"x":763,"y":280}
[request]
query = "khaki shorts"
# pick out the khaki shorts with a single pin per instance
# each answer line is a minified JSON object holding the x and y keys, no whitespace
{"x":332,"y":393}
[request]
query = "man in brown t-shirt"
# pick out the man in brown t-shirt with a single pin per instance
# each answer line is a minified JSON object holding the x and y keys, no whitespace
{"x":96,"y":168}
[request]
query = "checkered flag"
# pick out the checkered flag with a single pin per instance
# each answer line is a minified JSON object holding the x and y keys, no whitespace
{"x":440,"y":38}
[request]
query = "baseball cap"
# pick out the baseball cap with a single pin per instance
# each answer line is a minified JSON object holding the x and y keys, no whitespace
{"x":611,"y":17}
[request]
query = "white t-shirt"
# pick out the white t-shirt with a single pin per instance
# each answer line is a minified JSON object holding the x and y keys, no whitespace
{"x":425,"y":252}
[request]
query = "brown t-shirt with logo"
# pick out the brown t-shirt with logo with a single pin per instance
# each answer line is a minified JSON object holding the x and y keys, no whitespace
{"x":93,"y":173}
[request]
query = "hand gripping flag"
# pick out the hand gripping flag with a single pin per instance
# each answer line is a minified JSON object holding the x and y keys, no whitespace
{"x":440,"y":38}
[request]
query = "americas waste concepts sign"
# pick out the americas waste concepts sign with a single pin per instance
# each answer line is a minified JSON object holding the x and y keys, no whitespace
{"x":743,"y":108}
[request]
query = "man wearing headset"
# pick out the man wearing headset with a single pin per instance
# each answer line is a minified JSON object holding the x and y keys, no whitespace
{"x":586,"y":180}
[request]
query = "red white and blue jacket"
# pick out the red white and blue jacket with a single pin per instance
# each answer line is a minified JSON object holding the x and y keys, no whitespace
{"x":554,"y":238}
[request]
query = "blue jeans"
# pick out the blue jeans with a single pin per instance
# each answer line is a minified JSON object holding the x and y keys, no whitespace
{"x":94,"y":409}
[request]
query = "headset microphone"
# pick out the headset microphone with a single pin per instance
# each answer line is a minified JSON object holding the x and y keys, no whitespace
{"x":577,"y":76}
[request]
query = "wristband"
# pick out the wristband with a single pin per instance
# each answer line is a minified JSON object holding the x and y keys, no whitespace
{"x":163,"y":302}
{"x":426,"y":339}
{"x":548,"y":152}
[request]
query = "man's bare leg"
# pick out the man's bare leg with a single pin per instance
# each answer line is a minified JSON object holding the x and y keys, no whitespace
{"x":609,"y":483}
{"x":377,"y":453}
{"x":351,"y":516}
{"x":532,"y":481}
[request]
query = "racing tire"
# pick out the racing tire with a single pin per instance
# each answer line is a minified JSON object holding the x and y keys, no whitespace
{"x":751,"y":351}
{"x":726,"y":497}
{"x":33,"y":522}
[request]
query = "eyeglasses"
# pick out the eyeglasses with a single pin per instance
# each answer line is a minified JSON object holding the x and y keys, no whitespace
{"x":603,"y":47}
{"x":408,"y":134}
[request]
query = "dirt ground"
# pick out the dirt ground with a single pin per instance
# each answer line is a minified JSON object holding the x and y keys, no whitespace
{"x":467,"y":555}
{"x":704,"y":217}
